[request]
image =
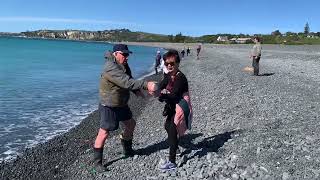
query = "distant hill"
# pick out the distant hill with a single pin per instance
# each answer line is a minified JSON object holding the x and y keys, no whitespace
{"x":107,"y":35}
{"x":9,"y":34}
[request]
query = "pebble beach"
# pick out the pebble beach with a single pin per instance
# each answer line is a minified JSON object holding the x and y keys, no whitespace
{"x":244,"y":126}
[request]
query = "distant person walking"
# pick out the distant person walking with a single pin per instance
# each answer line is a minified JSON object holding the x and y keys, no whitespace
{"x":116,"y":82}
{"x":174,"y":87}
{"x":256,"y":55}
{"x":198,"y":50}
{"x":157,"y":63}
{"x":182,"y":53}
{"x":188,"y":51}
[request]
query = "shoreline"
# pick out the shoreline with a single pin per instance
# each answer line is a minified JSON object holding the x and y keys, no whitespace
{"x":61,"y":151}
{"x":18,"y":151}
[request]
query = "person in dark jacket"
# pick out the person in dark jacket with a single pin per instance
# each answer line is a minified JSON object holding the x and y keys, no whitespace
{"x":188,"y":51}
{"x":182,"y":53}
{"x":157,"y":63}
{"x":116,"y":82}
{"x":173,"y":86}
{"x":198,"y":50}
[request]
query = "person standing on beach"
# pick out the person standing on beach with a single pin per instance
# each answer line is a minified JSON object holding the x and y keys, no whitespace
{"x":256,"y":55}
{"x":116,"y":82}
{"x":198,"y":50}
{"x":182,"y":53}
{"x":157,"y":63}
{"x":173,"y":86}
{"x":188,"y":51}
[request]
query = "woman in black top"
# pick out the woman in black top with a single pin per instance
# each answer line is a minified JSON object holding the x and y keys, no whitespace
{"x":173,"y":86}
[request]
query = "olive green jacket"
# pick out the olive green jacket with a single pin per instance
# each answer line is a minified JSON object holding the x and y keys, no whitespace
{"x":116,"y":83}
{"x":256,"y":50}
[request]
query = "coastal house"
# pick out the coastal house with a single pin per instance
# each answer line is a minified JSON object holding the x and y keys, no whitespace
{"x":241,"y":40}
{"x":233,"y":40}
{"x":244,"y":40}
{"x":312,"y":36}
{"x":222,"y":39}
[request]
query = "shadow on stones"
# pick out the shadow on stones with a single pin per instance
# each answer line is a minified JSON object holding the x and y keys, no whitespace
{"x":209,"y":144}
{"x":113,"y":161}
{"x":164,"y":145}
{"x":266,"y":74}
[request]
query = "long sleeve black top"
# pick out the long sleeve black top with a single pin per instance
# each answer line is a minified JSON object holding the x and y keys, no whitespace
{"x":180,"y":86}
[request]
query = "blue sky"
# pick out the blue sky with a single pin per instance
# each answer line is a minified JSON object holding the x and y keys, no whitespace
{"x":194,"y":18}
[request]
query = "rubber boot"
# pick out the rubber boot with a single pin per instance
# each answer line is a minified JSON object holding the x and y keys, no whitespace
{"x":127,"y":148}
{"x":97,"y":160}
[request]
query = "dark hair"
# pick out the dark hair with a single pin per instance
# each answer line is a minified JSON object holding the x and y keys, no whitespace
{"x":172,"y":53}
{"x":257,"y":38}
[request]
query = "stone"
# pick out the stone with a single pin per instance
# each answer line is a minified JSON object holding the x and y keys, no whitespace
{"x":235,"y":176}
{"x":258,"y":150}
{"x":285,"y":176}
{"x":183,"y":173}
{"x":209,"y":155}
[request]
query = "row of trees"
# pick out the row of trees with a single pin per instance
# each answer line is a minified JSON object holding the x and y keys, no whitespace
{"x":306,"y":32}
{"x":177,"y":38}
{"x":276,"y":37}
{"x":305,"y":37}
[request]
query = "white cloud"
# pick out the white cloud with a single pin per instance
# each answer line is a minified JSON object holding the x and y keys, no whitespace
{"x":62,"y":20}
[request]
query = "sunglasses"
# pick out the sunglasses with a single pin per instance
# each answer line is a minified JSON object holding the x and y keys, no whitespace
{"x":171,"y":63}
{"x":125,"y":54}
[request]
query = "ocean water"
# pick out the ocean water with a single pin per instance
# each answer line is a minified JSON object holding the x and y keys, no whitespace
{"x":49,"y":86}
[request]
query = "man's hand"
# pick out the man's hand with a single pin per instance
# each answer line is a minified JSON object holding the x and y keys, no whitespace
{"x":152,"y":86}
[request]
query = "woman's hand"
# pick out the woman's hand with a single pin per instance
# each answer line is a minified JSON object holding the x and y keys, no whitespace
{"x":165,"y":91}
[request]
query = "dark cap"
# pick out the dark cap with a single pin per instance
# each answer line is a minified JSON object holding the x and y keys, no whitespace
{"x":121,"y":47}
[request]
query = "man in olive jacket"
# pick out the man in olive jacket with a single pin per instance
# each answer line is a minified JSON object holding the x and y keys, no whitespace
{"x":116,"y":82}
{"x":256,"y":55}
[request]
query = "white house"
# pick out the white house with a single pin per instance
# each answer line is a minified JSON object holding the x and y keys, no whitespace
{"x":222,"y":39}
{"x":243,"y":40}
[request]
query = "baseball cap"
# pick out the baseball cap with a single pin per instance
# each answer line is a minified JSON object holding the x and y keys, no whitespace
{"x":121,"y":47}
